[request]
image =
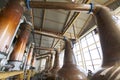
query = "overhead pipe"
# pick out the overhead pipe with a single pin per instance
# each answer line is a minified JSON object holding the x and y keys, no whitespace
{"x":17,"y":54}
{"x":51,"y":61}
{"x":30,"y":56}
{"x":42,"y":57}
{"x":56,"y":67}
{"x":47,"y":64}
{"x":109,"y":33}
{"x":59,"y":5}
{"x":70,"y":70}
{"x":9,"y":19}
{"x":48,"y":34}
{"x":45,"y":54}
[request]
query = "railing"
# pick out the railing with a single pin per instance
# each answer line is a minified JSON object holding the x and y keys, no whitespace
{"x":19,"y":75}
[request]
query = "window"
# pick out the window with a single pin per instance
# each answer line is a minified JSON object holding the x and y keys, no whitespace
{"x":88,"y":51}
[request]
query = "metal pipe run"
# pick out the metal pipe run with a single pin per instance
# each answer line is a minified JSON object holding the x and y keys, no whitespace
{"x":49,"y":34}
{"x":51,"y":61}
{"x":59,"y":5}
{"x":47,"y":64}
{"x":9,"y":19}
{"x":48,"y":53}
{"x":30,"y":56}
{"x":56,"y":65}
{"x":18,"y":52}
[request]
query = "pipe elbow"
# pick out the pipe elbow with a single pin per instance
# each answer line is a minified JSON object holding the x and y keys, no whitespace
{"x":98,"y":8}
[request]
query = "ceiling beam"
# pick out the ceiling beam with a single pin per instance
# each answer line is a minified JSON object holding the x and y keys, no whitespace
{"x":84,"y":26}
{"x":52,"y":43}
{"x":56,"y":43}
{"x":40,"y":41}
{"x":43,"y":18}
{"x":71,"y":21}
{"x":74,"y":30}
{"x":48,"y":31}
{"x":44,"y":48}
{"x":48,"y":53}
{"x":68,"y":15}
{"x":48,"y":34}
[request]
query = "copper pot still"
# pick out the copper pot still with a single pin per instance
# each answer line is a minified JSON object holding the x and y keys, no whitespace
{"x":9,"y":19}
{"x":20,"y":46}
{"x":109,"y":33}
{"x":70,"y":70}
{"x":53,"y":72}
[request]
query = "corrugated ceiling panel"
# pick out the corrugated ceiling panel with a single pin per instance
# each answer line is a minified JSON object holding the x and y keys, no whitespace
{"x":83,"y":16}
{"x":79,"y":23}
{"x":53,"y":26}
{"x":37,"y":12}
{"x":37,"y":22}
{"x":100,"y":1}
{"x":56,"y":16}
{"x":37,"y":36}
{"x":46,"y":41}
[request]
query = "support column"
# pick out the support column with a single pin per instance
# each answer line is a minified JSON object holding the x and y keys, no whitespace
{"x":18,"y":52}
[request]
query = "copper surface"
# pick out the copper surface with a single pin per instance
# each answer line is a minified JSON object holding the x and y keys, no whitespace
{"x":59,"y":5}
{"x":17,"y":53}
{"x":70,"y":71}
{"x":110,"y":41}
{"x":30,"y":55}
{"x":9,"y":19}
{"x":56,"y":67}
{"x":33,"y":61}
